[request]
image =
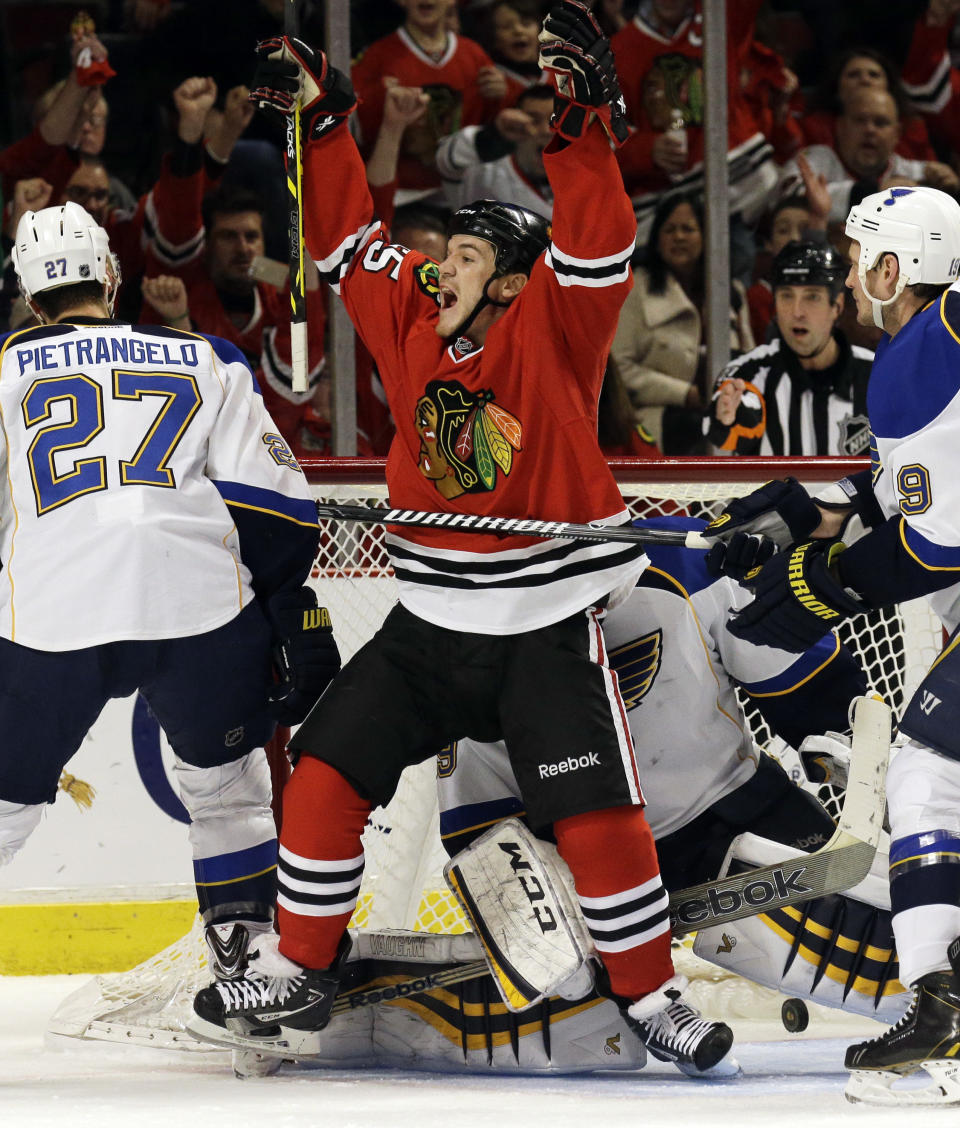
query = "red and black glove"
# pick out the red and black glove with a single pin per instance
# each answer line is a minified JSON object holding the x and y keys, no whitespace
{"x":305,"y":654}
{"x":576,"y":58}
{"x":288,"y":71}
{"x":797,"y":598}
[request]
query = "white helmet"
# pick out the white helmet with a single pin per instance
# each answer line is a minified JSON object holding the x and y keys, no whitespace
{"x":921,"y":226}
{"x":60,"y":247}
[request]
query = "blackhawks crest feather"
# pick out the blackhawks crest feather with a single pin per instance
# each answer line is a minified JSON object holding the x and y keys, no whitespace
{"x":466,"y":440}
{"x":427,"y":275}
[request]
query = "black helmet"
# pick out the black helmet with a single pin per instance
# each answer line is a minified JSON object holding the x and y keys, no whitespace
{"x":808,"y":264}
{"x":519,"y":236}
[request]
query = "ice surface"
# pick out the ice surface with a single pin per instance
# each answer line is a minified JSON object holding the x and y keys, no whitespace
{"x":788,"y":1081}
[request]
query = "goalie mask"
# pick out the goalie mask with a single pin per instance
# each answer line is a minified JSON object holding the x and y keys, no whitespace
{"x":63,"y":246}
{"x":921,"y":226}
{"x":518,"y":236}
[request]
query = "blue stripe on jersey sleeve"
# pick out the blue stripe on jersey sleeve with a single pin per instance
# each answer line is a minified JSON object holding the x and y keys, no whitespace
{"x":688,"y":566}
{"x":301,"y":510}
{"x":926,"y":552}
{"x":808,"y":663}
{"x":916,"y":373}
{"x":228,"y":353}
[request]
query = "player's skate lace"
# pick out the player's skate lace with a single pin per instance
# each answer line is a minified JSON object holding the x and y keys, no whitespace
{"x":902,"y":1022}
{"x":677,"y":1032}
{"x":256,"y":991}
{"x":272,"y":991}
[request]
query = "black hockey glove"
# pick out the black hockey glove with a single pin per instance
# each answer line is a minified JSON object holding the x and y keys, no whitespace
{"x":576,"y":58}
{"x":739,"y":555}
{"x":797,"y":599}
{"x":305,"y":653}
{"x":781,"y":509}
{"x":288,"y":69}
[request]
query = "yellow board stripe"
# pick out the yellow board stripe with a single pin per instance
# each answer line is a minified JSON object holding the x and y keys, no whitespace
{"x":88,"y":938}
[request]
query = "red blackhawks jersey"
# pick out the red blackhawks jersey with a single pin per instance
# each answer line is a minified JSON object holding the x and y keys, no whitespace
{"x":451,"y":83}
{"x":661,"y":76}
{"x":506,"y":429}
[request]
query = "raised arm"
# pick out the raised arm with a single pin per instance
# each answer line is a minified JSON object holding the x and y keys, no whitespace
{"x":594,"y":229}
{"x":347,"y":242}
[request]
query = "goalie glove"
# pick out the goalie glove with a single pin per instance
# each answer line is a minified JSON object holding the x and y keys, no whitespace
{"x":305,"y":654}
{"x":289,"y":72}
{"x":797,"y":599}
{"x":826,"y":758}
{"x":577,"y":60}
{"x":781,"y":510}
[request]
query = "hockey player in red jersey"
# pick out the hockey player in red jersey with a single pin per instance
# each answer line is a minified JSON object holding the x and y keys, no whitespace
{"x":492,"y":363}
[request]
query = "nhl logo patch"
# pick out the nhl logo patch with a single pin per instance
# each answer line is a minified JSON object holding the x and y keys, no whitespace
{"x":854,"y":438}
{"x":84,"y":270}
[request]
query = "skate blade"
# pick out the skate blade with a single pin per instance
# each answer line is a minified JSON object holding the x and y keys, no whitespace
{"x":875,"y":1086}
{"x":255,"y":1063}
{"x":725,"y":1070}
{"x":289,"y":1042}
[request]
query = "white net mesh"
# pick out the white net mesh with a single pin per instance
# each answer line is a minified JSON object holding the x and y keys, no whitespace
{"x":403,"y":885}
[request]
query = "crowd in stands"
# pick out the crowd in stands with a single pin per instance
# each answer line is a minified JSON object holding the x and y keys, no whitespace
{"x":138,"y":111}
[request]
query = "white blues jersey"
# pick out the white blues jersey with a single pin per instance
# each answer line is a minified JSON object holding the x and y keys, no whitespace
{"x":676,"y":666}
{"x":126,"y":454}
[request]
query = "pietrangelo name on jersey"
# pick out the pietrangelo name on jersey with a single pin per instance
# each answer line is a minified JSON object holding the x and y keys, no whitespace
{"x":78,"y":351}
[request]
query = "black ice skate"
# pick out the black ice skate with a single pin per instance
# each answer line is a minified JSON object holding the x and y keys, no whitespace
{"x":927,"y":1039}
{"x":673,"y":1031}
{"x":275,"y":1005}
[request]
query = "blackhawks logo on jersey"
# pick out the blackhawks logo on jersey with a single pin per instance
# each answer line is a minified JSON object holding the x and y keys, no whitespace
{"x":466,"y":439}
{"x":427,"y":275}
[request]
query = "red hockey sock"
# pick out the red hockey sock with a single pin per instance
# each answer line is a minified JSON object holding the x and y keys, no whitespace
{"x":617,"y":877}
{"x":321,"y":861}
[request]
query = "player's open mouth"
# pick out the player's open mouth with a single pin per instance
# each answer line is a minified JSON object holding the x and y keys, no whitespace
{"x":448,"y":299}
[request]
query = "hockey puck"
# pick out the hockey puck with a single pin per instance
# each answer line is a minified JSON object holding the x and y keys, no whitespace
{"x":794,"y":1015}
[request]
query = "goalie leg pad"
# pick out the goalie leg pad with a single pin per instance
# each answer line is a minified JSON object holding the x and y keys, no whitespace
{"x":515,"y":893}
{"x":836,"y":950}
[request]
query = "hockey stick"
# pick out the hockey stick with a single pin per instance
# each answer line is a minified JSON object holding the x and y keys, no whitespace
{"x":293,"y":165}
{"x":511,"y":526}
{"x":840,"y":864}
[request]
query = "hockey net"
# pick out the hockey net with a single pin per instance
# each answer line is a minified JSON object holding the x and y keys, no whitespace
{"x":403,"y":885}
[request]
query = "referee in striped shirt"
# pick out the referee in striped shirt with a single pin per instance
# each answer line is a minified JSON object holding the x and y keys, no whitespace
{"x":804,"y":392}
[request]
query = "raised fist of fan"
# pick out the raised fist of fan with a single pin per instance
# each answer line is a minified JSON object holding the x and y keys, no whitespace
{"x":576,"y":58}
{"x":289,"y":72}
